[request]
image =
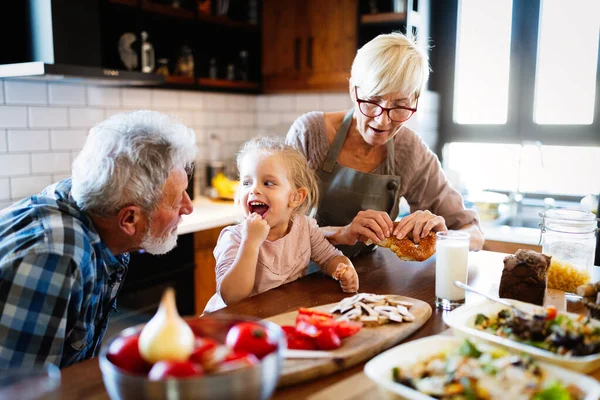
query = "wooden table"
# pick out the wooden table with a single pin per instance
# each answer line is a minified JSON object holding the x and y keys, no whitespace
{"x":379,"y":272}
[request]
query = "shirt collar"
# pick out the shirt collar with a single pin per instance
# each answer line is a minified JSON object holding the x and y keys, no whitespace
{"x":113,"y":265}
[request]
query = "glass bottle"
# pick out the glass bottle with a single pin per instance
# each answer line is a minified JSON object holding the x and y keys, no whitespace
{"x":163,"y":67}
{"x":244,"y":65}
{"x":148,"y":62}
{"x":230,"y":72}
{"x":569,"y":236}
{"x":212,"y":69}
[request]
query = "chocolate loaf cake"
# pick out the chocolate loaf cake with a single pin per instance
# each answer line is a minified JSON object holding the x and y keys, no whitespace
{"x":524,"y":276}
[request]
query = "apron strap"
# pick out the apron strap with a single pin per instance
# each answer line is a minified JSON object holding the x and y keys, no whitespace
{"x":390,"y":160}
{"x":338,"y":142}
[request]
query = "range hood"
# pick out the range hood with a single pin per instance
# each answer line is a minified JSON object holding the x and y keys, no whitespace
{"x":39,"y":70}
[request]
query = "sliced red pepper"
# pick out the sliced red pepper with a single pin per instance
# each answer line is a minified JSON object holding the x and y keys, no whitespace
{"x":347,"y":328}
{"x":328,"y":340}
{"x":298,"y":341}
{"x":319,"y":322}
{"x":306,"y":328}
{"x":310,"y":311}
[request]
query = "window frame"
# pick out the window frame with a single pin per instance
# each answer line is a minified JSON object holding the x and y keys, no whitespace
{"x":520,"y":125}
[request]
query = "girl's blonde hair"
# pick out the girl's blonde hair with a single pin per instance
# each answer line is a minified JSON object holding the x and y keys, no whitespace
{"x":390,"y":63}
{"x":299,"y":173}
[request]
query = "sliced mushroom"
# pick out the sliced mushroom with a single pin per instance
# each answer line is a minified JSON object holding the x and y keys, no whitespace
{"x":397,"y":302}
{"x":405,"y":313}
{"x":368,"y":320}
{"x":368,"y":309}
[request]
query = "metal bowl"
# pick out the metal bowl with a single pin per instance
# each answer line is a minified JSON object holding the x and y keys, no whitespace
{"x":256,"y":382}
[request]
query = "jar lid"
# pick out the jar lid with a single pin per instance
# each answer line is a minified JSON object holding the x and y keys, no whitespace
{"x":567,"y":220}
{"x":569,"y":214}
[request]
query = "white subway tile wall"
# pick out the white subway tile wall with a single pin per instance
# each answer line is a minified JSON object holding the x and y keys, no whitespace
{"x":13,"y":117}
{"x":17,"y":92}
{"x":44,"y":125}
{"x":61,"y":94}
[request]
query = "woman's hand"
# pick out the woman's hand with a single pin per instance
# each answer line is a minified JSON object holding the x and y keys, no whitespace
{"x":369,"y":224}
{"x":420,"y":223}
{"x":255,"y":230}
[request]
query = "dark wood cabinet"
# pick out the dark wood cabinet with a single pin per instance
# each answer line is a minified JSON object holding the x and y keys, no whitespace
{"x":76,"y":40}
{"x":308,"y":44}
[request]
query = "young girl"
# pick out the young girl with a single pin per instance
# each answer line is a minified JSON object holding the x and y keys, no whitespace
{"x":275,"y":242}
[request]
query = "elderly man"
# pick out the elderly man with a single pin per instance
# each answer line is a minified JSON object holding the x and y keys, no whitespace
{"x":64,"y":252}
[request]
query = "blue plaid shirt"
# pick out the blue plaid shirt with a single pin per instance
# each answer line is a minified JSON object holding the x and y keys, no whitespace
{"x":58,"y":281}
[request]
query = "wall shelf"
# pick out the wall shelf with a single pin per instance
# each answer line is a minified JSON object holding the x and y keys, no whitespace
{"x":226,"y":84}
{"x":164,"y":9}
{"x":382,"y":18}
{"x":180,"y":80}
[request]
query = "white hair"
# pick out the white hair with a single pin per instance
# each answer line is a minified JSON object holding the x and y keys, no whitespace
{"x":126,"y":160}
{"x":390,"y":63}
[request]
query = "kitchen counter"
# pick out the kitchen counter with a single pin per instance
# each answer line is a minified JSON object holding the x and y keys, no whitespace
{"x":509,"y":234}
{"x":209,"y":214}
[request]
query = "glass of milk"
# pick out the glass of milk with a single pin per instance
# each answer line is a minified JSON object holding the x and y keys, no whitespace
{"x":451,"y":262}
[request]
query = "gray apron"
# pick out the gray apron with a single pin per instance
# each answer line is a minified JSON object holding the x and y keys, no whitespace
{"x":346,"y":191}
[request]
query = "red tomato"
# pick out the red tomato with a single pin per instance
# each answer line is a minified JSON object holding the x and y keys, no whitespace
{"x":347,"y":328}
{"x":250,"y":338}
{"x":298,"y":341}
{"x":202,"y":349}
{"x":237,"y":360}
{"x":328,"y":340}
{"x":239,"y":355}
{"x":551,"y":312}
{"x":310,"y":311}
{"x":174,"y":369}
{"x":125,"y":354}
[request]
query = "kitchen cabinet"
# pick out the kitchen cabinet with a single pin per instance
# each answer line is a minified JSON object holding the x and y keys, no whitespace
{"x":79,"y":42}
{"x":205,"y":242}
{"x":308,"y":45}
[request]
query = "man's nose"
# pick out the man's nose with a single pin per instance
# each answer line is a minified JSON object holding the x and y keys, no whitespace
{"x":187,"y":207}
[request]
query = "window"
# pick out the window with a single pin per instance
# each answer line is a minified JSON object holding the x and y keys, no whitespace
{"x":521,"y":70}
{"x":482,"y":62}
{"x":561,"y":97}
{"x":562,"y":170}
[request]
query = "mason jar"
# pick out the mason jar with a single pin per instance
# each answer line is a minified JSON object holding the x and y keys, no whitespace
{"x":569,"y":236}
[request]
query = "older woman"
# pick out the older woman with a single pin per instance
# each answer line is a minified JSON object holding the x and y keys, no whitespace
{"x":367,"y":159}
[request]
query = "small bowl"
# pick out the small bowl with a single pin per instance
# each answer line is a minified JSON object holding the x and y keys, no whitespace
{"x":256,"y":382}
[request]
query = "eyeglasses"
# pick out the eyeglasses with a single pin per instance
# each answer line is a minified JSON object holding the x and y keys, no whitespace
{"x":372,"y":110}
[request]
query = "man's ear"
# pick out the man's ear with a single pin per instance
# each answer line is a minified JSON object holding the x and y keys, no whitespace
{"x":298,"y":197}
{"x":131,"y":220}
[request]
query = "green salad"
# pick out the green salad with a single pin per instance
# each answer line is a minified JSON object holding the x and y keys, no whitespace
{"x":546,"y":330}
{"x":482,"y":372}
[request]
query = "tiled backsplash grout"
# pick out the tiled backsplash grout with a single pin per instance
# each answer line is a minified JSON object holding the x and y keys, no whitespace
{"x":65,"y":112}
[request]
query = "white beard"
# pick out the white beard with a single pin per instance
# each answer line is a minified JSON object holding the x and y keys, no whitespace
{"x":159,"y":245}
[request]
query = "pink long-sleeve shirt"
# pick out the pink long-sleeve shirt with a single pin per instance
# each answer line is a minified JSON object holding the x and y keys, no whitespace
{"x":279,"y":262}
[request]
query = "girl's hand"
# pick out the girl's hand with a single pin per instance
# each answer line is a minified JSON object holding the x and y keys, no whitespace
{"x":255,"y":229}
{"x":347,"y":276}
{"x":369,"y":224}
{"x":420,"y":223}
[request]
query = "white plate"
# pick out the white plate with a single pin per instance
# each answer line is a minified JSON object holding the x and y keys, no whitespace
{"x":379,"y":369}
{"x":462,"y":322}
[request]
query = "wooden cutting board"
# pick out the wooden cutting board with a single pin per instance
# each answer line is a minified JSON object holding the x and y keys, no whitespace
{"x":364,"y":345}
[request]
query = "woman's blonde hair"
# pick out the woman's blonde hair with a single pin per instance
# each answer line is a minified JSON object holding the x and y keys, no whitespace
{"x":299,"y":173}
{"x":390,"y":63}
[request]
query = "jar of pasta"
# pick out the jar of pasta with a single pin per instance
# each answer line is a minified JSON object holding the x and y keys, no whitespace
{"x":569,"y":236}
